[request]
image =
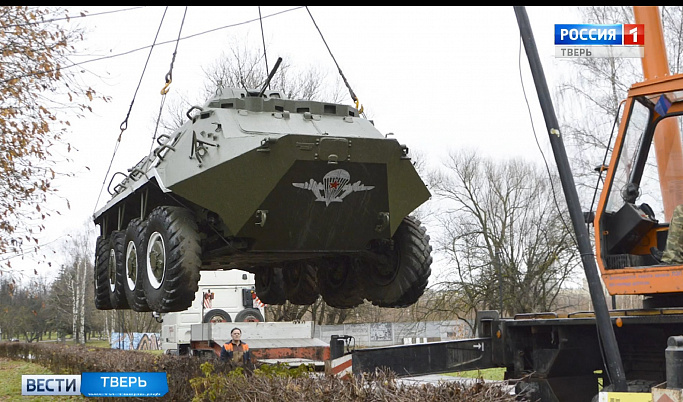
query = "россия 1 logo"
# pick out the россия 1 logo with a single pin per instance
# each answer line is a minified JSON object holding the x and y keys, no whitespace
{"x":599,"y":40}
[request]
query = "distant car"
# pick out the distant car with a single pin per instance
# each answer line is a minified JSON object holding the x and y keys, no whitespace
{"x":14,"y":340}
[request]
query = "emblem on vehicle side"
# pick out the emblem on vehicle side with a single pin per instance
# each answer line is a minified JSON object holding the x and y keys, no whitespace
{"x":336,"y":185}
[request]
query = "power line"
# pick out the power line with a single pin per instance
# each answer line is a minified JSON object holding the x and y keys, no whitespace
{"x":157,"y":44}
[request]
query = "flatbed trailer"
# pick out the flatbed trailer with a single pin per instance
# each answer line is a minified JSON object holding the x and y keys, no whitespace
{"x":290,"y":343}
{"x":547,"y":356}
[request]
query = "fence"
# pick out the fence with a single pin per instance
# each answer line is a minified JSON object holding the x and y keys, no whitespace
{"x":396,"y":333}
{"x":365,"y":335}
{"x":135,"y":341}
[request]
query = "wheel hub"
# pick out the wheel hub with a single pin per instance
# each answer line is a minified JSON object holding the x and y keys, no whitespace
{"x":131,"y":265}
{"x":111,"y":269}
{"x":156,"y":259}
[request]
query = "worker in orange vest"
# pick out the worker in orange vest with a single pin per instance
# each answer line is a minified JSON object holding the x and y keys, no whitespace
{"x":236,"y":350}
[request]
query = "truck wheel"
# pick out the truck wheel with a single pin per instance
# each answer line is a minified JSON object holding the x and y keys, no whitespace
{"x":102,"y":301}
{"x":109,"y":280}
{"x":172,"y":259}
{"x":116,"y":273}
{"x":249,"y":315}
{"x":269,"y":285}
{"x":338,"y":282}
{"x":134,"y":263}
{"x":217,"y":315}
{"x":402,"y":276}
{"x":300,"y":283}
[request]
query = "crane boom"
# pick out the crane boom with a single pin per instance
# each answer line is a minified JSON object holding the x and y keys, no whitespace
{"x":667,"y":135}
{"x":613,"y":358}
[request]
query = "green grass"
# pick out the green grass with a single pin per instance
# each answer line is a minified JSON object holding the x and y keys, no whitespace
{"x":98,"y":343}
{"x":10,"y":382}
{"x":493,"y":374}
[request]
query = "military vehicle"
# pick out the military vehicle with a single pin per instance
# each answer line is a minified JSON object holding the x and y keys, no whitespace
{"x":309,"y":196}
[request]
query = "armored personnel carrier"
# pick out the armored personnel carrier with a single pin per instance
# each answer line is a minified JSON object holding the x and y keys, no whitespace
{"x":309,"y":196}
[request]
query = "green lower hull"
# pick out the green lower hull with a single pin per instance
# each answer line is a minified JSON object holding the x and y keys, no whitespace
{"x":288,"y":199}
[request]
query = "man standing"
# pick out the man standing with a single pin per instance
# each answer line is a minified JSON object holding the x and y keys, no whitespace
{"x":236,"y":350}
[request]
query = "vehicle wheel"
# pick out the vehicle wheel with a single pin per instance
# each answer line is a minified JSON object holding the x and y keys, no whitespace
{"x":110,"y":275}
{"x":269,"y":285}
{"x":118,"y":291}
{"x":134,"y":264}
{"x":249,"y":315}
{"x":402,"y":276}
{"x":102,"y":301}
{"x":217,"y":315}
{"x":300,"y":283}
{"x":172,"y":259}
{"x":338,"y":282}
{"x":632,"y":386}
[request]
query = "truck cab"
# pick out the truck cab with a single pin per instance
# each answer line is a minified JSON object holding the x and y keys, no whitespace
{"x":642,"y":188}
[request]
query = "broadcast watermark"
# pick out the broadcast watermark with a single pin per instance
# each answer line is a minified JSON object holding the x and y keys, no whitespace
{"x":48,"y":384}
{"x":599,"y":40}
{"x":96,"y":384}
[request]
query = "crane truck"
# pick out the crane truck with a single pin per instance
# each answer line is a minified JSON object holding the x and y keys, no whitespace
{"x":223,"y":296}
{"x":552,"y":357}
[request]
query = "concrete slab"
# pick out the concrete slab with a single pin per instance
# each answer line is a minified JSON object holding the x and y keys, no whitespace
{"x":220,"y":332}
{"x":285,"y":343}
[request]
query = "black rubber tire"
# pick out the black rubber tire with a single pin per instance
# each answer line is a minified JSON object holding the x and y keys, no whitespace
{"x":338,"y":282}
{"x":632,"y":386}
{"x":402,"y":279}
{"x":134,"y":264}
{"x":300,"y":283}
{"x":102,"y":301}
{"x":172,"y":238}
{"x":269,"y":286}
{"x":249,"y":315}
{"x":110,"y":273}
{"x":216,"y":315}
{"x":117,"y":294}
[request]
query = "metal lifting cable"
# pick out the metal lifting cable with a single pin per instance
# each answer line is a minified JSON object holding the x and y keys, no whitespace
{"x":265,"y":56}
{"x":124,"y":124}
{"x":169,"y":79}
{"x":353,"y":95}
{"x":169,"y":75}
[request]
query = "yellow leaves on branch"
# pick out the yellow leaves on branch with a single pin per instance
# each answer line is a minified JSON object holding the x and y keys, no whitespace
{"x":33,"y":49}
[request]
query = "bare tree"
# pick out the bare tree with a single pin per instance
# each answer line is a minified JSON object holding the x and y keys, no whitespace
{"x":245,"y":67}
{"x":508,"y":245}
{"x":672,"y":23}
{"x":23,"y":309}
{"x":68,"y":300}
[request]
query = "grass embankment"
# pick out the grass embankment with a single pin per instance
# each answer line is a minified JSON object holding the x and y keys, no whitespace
{"x":494,"y":374}
{"x":12,"y":370}
{"x":10,"y":382}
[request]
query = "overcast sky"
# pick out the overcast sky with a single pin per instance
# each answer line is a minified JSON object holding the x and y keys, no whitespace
{"x":439,"y":78}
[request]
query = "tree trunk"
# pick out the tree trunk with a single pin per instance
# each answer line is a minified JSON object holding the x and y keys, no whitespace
{"x":74,"y":308}
{"x":81,"y":300}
